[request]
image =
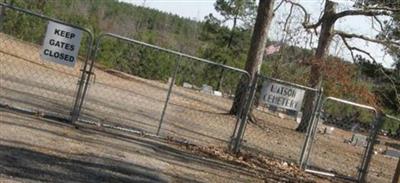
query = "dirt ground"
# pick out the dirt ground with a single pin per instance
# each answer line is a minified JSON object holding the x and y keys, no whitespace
{"x":46,"y":151}
{"x":129,"y":101}
{"x":33,"y":149}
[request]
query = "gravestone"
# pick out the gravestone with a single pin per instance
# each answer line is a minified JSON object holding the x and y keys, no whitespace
{"x":207,"y":89}
{"x":187,"y":85}
{"x":392,"y":153}
{"x":218,"y":93}
{"x":359,"y":140}
{"x":299,"y":116}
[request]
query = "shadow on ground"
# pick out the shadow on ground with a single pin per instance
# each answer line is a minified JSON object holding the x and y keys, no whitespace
{"x":30,"y":161}
{"x":37,"y":166}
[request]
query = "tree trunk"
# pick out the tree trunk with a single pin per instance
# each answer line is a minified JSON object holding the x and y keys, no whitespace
{"x":315,"y":80}
{"x":256,"y":51}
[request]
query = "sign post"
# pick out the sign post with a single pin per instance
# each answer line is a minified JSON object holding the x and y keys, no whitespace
{"x":61,"y":44}
{"x":282,"y":96}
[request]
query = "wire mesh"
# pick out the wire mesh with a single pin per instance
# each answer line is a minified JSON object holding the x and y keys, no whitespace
{"x":272,"y":129}
{"x":129,"y":85}
{"x":27,"y":81}
{"x":199,"y":108}
{"x":341,"y":139}
{"x":386,"y":152}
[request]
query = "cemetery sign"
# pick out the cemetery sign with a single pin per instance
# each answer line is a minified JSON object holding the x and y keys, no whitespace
{"x":282,"y":96}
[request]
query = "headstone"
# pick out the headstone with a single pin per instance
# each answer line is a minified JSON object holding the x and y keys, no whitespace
{"x":207,"y":89}
{"x":218,"y":93}
{"x":299,"y":116}
{"x":330,"y":130}
{"x":359,"y":140}
{"x":187,"y":85}
{"x":169,"y":80}
{"x":392,"y":153}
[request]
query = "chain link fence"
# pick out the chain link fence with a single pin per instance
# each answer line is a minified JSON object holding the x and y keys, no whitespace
{"x":199,"y":107}
{"x":28,"y":82}
{"x":128,"y":86}
{"x":343,"y":137}
{"x":134,"y":86}
{"x":145,"y":88}
{"x":271,"y":130}
{"x":386,"y":152}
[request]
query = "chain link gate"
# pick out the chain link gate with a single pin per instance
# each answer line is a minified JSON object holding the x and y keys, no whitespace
{"x":385,"y":166}
{"x":31,"y":84}
{"x":143,"y":88}
{"x":270,"y":133}
{"x":342,"y":148}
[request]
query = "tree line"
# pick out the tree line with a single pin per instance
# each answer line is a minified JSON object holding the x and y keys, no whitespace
{"x":363,"y":81}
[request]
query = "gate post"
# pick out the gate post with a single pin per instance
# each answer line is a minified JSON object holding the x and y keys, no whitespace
{"x":85,"y":77}
{"x":363,"y":171}
{"x":305,"y":152}
{"x":243,"y":122}
{"x":169,"y":93}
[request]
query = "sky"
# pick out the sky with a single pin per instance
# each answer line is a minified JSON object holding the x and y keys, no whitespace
{"x":198,"y":9}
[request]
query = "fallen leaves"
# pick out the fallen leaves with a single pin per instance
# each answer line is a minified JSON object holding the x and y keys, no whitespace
{"x":271,"y":170}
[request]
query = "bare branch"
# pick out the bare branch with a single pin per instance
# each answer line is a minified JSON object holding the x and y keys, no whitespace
{"x":379,"y":22}
{"x":361,"y":12}
{"x":381,"y":8}
{"x":288,"y":18}
{"x":393,"y":84}
{"x":306,"y":22}
{"x":349,"y":35}
{"x":350,"y":48}
{"x":279,"y":5}
{"x":306,"y":15}
{"x":314,"y":26}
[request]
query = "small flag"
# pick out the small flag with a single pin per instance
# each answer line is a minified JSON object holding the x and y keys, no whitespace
{"x":271,"y":49}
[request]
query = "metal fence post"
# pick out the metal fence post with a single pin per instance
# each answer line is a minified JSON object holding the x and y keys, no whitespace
{"x":362,"y":174}
{"x":239,"y":135}
{"x":239,"y":115}
{"x":396,"y":177}
{"x":310,"y":130}
{"x":84,"y":80}
{"x":169,"y":93}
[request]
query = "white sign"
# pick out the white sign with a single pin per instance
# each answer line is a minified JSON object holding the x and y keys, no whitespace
{"x":61,"y":44}
{"x":282,"y":96}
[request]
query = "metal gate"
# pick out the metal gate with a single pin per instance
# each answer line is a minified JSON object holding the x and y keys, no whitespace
{"x":337,"y":149}
{"x":29,"y":83}
{"x":385,"y":165}
{"x":144,"y":88}
{"x":274,"y":132}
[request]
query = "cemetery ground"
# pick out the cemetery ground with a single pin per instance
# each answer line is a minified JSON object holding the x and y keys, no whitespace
{"x":37,"y":149}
